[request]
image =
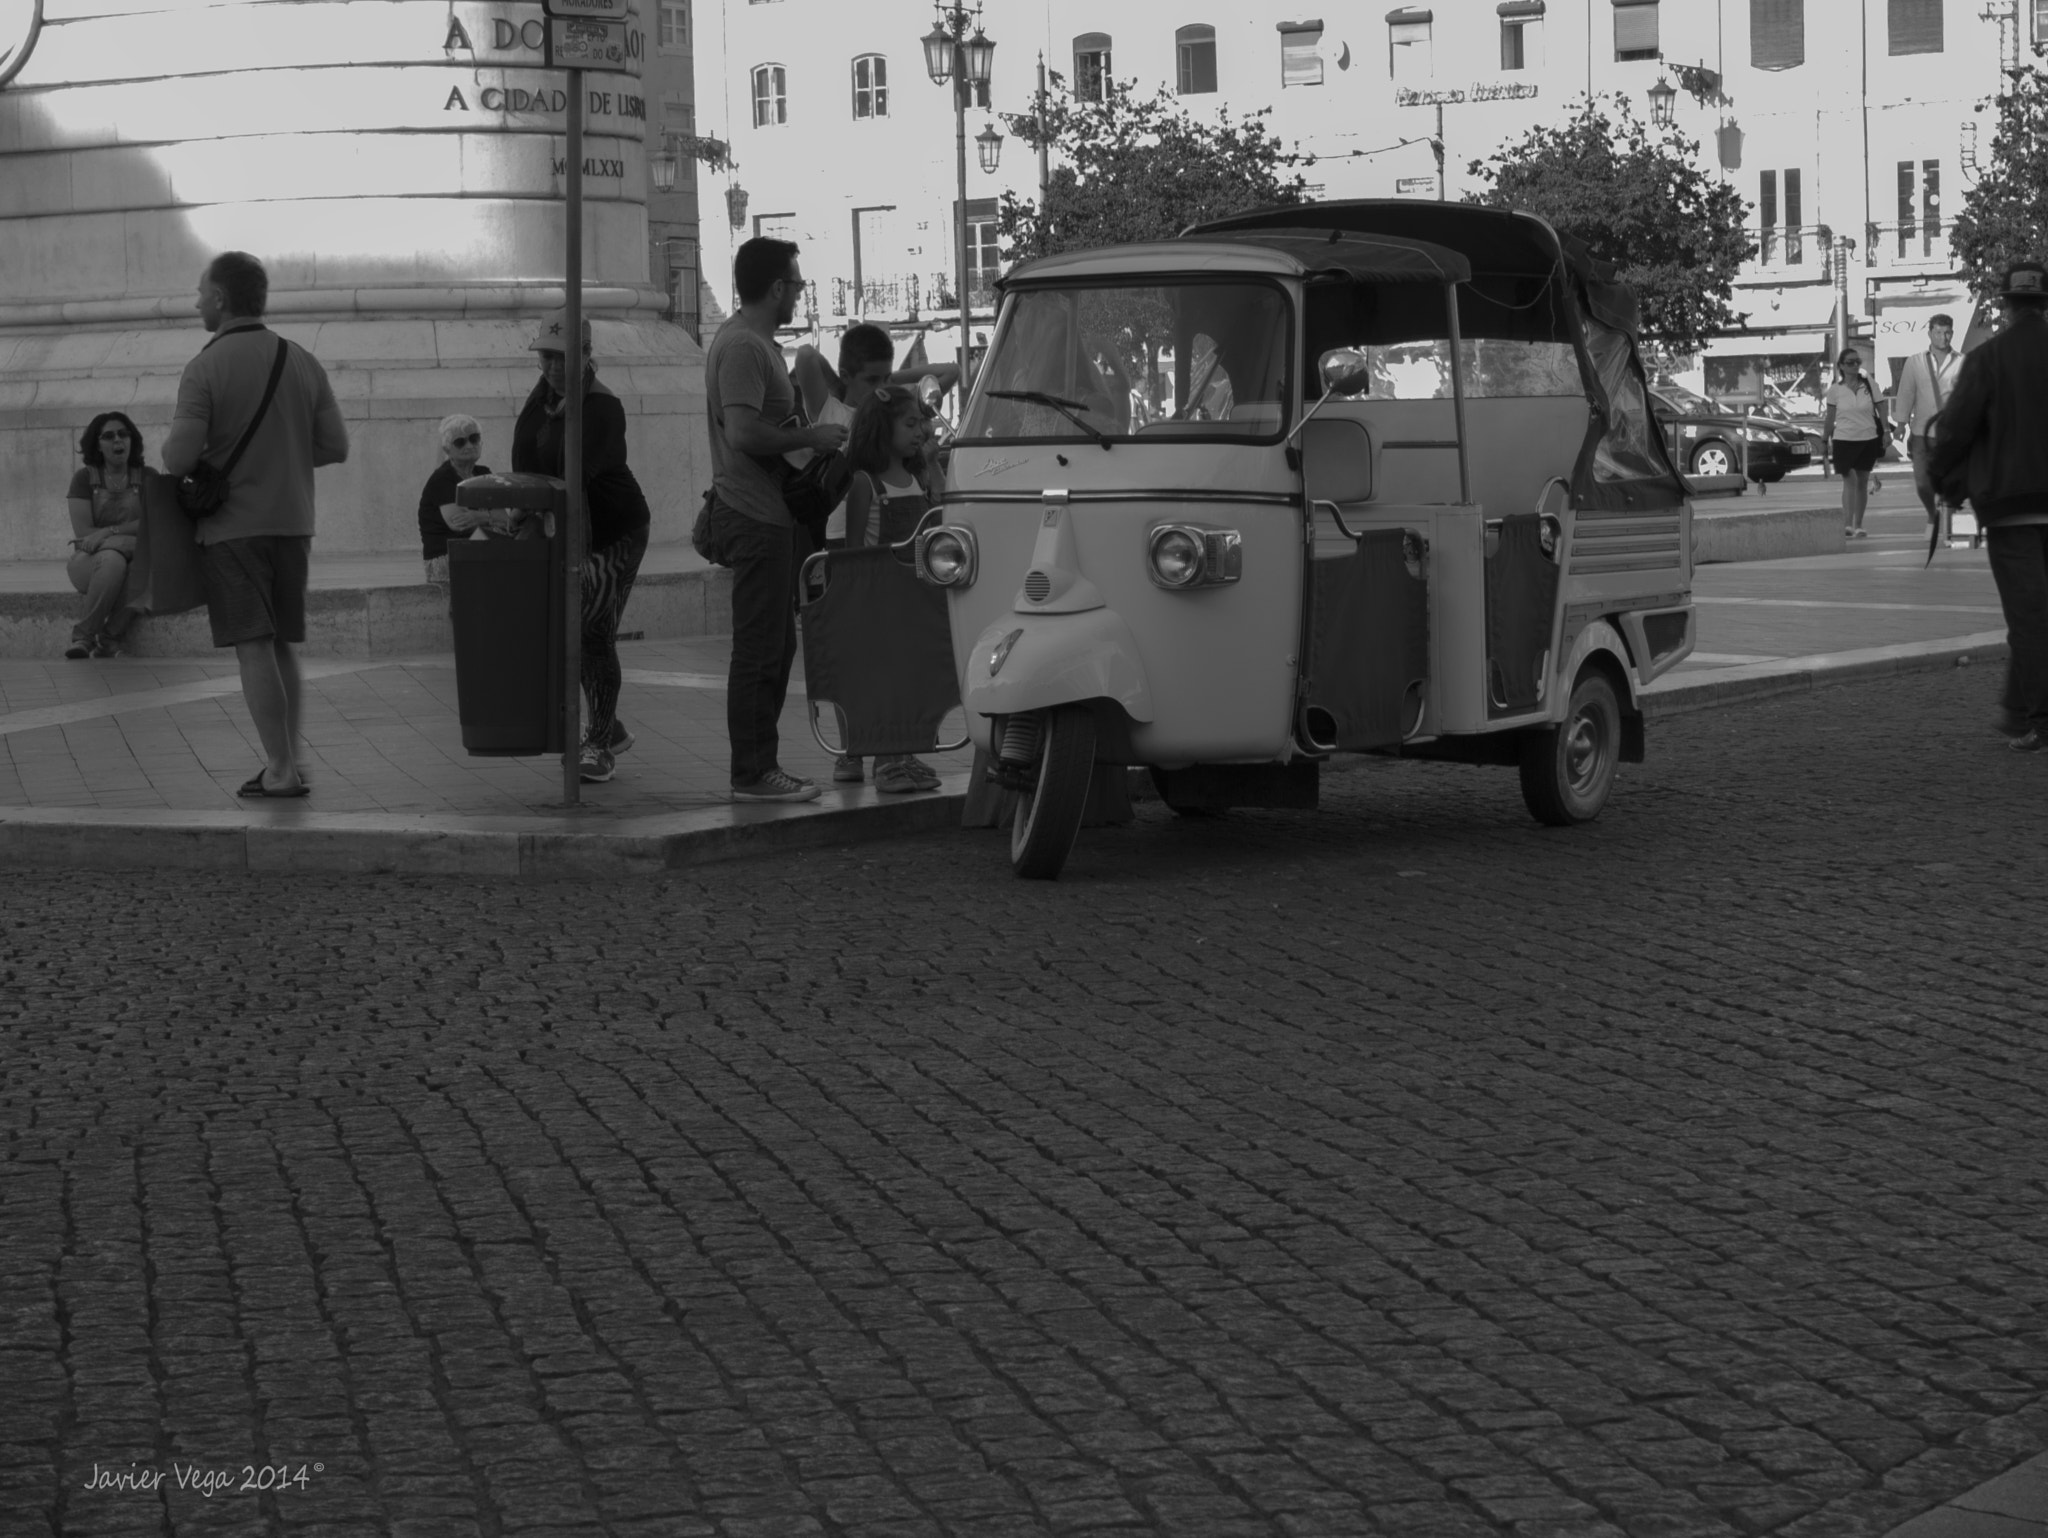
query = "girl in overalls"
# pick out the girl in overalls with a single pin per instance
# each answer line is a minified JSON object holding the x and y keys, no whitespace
{"x":890,"y":492}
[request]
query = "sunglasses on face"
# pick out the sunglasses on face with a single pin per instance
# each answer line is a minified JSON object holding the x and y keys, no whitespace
{"x":457,"y":443}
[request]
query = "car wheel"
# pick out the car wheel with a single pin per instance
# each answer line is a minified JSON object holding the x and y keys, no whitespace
{"x":1713,"y":458}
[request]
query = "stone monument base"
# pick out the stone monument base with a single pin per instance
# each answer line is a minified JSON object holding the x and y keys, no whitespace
{"x":399,"y":361}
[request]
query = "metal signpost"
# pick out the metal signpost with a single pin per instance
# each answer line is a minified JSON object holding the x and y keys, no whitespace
{"x":581,"y":35}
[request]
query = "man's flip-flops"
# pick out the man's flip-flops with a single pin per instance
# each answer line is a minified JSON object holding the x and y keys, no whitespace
{"x":254,"y":789}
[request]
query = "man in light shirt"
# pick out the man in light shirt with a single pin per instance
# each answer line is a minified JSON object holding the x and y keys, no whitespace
{"x":1925,"y":385}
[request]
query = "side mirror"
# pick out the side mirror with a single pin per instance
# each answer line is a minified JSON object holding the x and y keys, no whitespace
{"x":1345,"y":371}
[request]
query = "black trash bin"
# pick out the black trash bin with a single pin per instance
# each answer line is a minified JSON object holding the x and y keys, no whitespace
{"x":505,"y":599}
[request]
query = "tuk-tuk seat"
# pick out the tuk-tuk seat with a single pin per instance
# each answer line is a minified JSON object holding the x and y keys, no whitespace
{"x":878,"y":649}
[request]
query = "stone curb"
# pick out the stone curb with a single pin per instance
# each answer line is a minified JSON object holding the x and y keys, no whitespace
{"x":1675,"y":695}
{"x":589,"y":843}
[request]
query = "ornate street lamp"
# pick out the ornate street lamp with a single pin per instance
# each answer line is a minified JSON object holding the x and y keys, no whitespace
{"x":663,"y":166}
{"x":950,"y":54}
{"x":1662,"y":95}
{"x":736,"y":205}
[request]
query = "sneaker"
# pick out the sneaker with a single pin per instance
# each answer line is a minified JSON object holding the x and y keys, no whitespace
{"x":846,"y":769}
{"x":77,"y":651}
{"x":620,"y":739}
{"x":923,"y":772}
{"x":895,"y":777}
{"x":102,"y":647}
{"x":2032,"y":742}
{"x":775,"y":785}
{"x":594,"y":764}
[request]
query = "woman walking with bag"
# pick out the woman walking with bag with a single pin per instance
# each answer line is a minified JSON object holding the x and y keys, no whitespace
{"x":1855,"y":429}
{"x":618,"y":517}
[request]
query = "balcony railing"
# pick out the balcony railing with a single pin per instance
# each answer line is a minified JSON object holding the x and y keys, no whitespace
{"x":1910,"y":241}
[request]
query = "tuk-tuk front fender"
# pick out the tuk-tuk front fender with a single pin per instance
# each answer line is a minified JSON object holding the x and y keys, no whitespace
{"x":1056,"y":659}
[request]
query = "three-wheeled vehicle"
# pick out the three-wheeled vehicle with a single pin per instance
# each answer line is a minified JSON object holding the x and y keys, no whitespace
{"x":1368,"y":476}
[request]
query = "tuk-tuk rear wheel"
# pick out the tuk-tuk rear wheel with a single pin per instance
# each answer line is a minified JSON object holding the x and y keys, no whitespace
{"x":1568,"y":769}
{"x":1048,"y":816}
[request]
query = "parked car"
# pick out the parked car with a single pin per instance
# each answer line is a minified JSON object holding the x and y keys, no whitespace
{"x":1709,"y":439}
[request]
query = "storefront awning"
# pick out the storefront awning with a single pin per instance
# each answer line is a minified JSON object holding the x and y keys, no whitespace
{"x":1795,"y":307}
{"x":1788,"y":344}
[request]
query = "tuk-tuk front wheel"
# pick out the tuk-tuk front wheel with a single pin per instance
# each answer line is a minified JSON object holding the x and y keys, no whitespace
{"x":1049,"y":814}
{"x":1568,"y":769}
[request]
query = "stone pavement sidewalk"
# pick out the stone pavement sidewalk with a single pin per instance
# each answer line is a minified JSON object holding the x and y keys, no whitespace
{"x":134,"y":761}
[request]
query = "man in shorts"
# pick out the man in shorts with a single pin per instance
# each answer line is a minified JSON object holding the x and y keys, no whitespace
{"x":254,"y":546}
{"x":1925,"y":384}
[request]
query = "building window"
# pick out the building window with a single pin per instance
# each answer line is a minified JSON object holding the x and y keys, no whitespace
{"x":1635,"y":30}
{"x":1408,"y":43}
{"x":1779,"y":238}
{"x":984,"y":264}
{"x":672,"y":26}
{"x":2041,"y":23}
{"x":1196,"y":49}
{"x":1300,"y":61}
{"x":1777,"y":34}
{"x":771,"y":95}
{"x":1915,"y":26}
{"x":870,"y":86}
{"x":1520,"y":24}
{"x":1091,"y":66}
{"x":1924,"y":180}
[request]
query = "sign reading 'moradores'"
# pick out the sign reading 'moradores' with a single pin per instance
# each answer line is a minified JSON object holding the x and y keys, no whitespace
{"x":590,"y":10}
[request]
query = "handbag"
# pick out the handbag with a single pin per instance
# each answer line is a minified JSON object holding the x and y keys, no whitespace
{"x":700,"y":535}
{"x":203,"y":490}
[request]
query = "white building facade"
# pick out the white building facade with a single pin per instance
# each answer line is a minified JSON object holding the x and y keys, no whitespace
{"x":1848,"y":126}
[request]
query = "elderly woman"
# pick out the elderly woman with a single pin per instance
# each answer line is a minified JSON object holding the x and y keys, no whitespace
{"x":105,"y":500}
{"x":618,"y":519}
{"x":462,"y":442}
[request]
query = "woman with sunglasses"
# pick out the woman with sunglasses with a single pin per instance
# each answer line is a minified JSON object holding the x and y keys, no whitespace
{"x":105,"y":502}
{"x":1855,"y":429}
{"x":462,"y":442}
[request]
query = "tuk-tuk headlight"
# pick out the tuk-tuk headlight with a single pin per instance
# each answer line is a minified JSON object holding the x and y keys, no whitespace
{"x":946,"y":556}
{"x":1179,"y":555}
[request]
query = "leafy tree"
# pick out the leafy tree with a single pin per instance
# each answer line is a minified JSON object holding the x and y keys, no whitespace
{"x":2005,"y":215}
{"x":1642,"y":203}
{"x":1125,"y":169}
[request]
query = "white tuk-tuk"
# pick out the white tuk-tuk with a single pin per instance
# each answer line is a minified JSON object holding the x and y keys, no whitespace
{"x":1343,"y":477}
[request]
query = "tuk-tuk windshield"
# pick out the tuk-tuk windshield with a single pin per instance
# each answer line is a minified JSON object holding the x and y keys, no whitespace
{"x":1188,"y":358}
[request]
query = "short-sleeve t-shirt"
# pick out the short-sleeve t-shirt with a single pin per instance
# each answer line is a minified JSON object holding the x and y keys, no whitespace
{"x":1855,"y":413}
{"x":741,"y":368}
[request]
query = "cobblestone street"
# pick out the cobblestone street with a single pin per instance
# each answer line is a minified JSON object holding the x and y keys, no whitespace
{"x":1404,"y":1168}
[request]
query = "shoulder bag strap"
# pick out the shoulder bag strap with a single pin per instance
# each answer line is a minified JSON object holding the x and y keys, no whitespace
{"x":263,"y":407}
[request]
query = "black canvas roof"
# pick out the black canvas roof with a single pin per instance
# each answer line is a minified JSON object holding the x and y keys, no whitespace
{"x":1371,"y":258}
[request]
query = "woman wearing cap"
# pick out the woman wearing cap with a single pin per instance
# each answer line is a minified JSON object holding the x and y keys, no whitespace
{"x":1855,"y":427}
{"x":440,"y":519}
{"x":617,"y":514}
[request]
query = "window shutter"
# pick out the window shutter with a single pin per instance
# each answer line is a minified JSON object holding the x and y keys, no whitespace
{"x":1635,"y":26}
{"x":1777,"y":34}
{"x":1915,"y":26}
{"x":1300,"y":63}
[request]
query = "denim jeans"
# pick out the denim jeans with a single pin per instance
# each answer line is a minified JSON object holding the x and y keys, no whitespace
{"x":763,"y":561}
{"x":2019,"y":565}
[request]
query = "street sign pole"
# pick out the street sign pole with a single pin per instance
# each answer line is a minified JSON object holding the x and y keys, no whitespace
{"x":581,"y":35}
{"x":573,"y":537}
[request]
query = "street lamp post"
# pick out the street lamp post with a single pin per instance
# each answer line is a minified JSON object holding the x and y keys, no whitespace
{"x":950,"y":54}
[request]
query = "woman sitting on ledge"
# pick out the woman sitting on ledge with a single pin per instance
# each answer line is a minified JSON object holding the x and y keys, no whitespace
{"x":106,"y":519}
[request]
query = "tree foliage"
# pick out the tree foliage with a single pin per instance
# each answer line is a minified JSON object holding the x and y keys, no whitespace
{"x":1642,"y":203}
{"x":2005,"y":215}
{"x":1125,"y":169}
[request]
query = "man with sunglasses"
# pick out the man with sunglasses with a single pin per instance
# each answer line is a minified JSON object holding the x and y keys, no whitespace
{"x":751,"y":404}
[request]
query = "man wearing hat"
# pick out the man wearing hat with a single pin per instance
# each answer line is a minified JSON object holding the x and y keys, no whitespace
{"x":1992,"y":444}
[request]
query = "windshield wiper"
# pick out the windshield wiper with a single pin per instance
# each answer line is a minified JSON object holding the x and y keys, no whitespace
{"x":1059,"y":403}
